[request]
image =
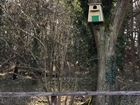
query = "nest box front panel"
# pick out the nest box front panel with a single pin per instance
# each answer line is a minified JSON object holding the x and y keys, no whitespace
{"x":95,"y":13}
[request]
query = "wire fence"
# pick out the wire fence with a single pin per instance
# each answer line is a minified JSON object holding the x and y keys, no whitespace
{"x":54,"y":95}
{"x":79,"y":93}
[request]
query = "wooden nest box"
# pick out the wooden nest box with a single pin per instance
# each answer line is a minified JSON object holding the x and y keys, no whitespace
{"x":95,"y":13}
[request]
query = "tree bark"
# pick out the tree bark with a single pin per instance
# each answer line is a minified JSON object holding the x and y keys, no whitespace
{"x":105,"y":43}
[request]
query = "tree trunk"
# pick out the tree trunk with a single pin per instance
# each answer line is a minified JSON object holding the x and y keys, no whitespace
{"x":105,"y":42}
{"x":132,"y":38}
{"x":105,"y":50}
{"x":139,"y":49}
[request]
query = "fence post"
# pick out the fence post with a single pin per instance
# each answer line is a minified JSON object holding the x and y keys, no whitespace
{"x":53,"y":100}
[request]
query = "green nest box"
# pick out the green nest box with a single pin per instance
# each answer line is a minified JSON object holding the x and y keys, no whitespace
{"x":95,"y":13}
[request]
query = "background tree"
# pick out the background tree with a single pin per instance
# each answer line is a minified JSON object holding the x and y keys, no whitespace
{"x":51,"y":43}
